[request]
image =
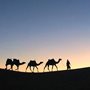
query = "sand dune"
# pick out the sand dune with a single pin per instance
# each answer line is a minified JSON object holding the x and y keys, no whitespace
{"x":58,"y":80}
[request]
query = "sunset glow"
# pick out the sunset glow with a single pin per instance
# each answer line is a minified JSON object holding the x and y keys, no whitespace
{"x":45,"y":29}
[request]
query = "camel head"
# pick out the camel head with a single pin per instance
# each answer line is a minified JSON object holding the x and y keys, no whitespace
{"x":41,"y":62}
{"x":58,"y":60}
{"x":22,"y":63}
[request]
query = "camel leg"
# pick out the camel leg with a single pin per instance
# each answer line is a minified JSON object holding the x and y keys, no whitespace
{"x":37,"y":69}
{"x":6,"y":67}
{"x":56,"y":67}
{"x":11,"y":67}
{"x":33,"y":69}
{"x":17,"y":67}
{"x":44,"y":68}
{"x":52,"y":67}
{"x":26,"y":68}
{"x":48,"y":68}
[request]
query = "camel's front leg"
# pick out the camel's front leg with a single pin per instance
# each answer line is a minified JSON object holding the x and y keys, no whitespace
{"x":37,"y":69}
{"x":44,"y":68}
{"x":56,"y":67}
{"x":26,"y":68}
{"x":30,"y":69}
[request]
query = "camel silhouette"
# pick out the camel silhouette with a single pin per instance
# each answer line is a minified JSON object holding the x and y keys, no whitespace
{"x":13,"y":62}
{"x":51,"y":62}
{"x":33,"y":64}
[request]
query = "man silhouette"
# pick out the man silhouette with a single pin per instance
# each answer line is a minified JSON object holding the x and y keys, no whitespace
{"x":68,"y":64}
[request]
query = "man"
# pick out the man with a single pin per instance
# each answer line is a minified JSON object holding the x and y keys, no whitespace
{"x":68,"y":64}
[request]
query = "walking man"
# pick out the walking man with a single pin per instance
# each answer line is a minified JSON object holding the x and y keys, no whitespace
{"x":68,"y":64}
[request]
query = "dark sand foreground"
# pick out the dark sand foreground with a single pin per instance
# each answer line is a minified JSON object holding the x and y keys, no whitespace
{"x":59,"y":80}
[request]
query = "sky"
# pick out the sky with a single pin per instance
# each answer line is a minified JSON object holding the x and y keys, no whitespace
{"x":45,"y":29}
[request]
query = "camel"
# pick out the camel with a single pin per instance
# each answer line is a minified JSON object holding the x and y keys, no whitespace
{"x":53,"y":63}
{"x":13,"y":62}
{"x":33,"y":64}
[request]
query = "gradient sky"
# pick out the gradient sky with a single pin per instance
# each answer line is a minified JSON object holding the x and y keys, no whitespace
{"x":45,"y":29}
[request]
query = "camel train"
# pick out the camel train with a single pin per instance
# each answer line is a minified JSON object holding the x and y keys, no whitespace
{"x":34,"y":64}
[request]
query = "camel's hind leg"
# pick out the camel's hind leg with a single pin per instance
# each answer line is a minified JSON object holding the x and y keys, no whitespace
{"x":52,"y":67}
{"x":17,"y":68}
{"x":48,"y":68}
{"x":44,"y":68}
{"x":11,"y":67}
{"x":6,"y":66}
{"x":33,"y":68}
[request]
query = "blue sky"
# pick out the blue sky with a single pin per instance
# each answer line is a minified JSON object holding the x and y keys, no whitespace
{"x":42,"y":29}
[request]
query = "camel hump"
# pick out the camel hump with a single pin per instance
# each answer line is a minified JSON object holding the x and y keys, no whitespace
{"x":9,"y":60}
{"x":51,"y":60}
{"x":32,"y":62}
{"x":16,"y":60}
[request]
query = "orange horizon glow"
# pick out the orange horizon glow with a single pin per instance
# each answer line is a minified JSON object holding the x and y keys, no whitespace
{"x":76,"y":61}
{"x":45,"y":29}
